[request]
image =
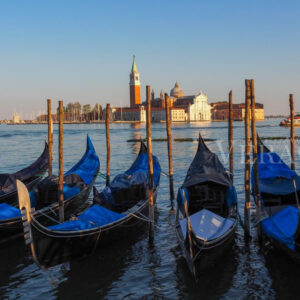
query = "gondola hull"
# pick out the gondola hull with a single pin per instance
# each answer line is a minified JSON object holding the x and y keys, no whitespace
{"x":13,"y":228}
{"x":206,"y":255}
{"x":279,"y":189}
{"x":54,"y":247}
{"x":206,"y":216}
{"x":12,"y":198}
{"x":84,"y":173}
{"x":30,"y":176}
{"x":268,"y":243}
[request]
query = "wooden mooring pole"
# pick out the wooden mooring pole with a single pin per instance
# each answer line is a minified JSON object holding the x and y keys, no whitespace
{"x":292,"y":132}
{"x":169,"y":137}
{"x":247,"y":160}
{"x":107,"y":120}
{"x":61,"y":163}
{"x":50,"y":137}
{"x":230,"y":135}
{"x":255,"y":163}
{"x":150,"y":163}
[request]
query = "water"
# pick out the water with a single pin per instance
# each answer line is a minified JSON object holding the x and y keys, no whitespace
{"x":138,"y":269}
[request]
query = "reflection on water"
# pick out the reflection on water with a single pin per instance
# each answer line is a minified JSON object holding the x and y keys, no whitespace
{"x":136,"y":125}
{"x":211,"y":285}
{"x":138,"y":268}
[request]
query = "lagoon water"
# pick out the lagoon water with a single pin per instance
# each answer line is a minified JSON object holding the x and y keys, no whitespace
{"x":138,"y":269}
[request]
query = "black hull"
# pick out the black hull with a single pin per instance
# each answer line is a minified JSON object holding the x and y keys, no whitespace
{"x":30,"y":176}
{"x":12,"y":198}
{"x":293,"y":255}
{"x":206,"y":255}
{"x":13,"y":228}
{"x":54,"y":247}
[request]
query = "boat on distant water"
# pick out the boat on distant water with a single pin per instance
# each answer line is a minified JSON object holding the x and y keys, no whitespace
{"x":78,"y":182}
{"x":279,"y":188}
{"x":287,"y":122}
{"x":118,"y":213}
{"x":206,"y":215}
{"x":30,"y":175}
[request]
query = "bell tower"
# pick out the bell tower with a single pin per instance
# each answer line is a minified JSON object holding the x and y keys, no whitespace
{"x":134,"y":85}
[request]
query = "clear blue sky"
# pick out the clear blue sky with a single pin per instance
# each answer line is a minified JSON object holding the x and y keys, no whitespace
{"x":82,"y":50}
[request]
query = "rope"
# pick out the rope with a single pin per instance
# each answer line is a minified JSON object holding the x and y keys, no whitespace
{"x":39,"y":175}
{"x":50,"y":218}
{"x":101,"y":175}
{"x":296,"y":194}
{"x":145,"y":219}
{"x":165,"y":174}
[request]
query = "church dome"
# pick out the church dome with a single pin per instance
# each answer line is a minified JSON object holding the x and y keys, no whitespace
{"x":176,"y":91}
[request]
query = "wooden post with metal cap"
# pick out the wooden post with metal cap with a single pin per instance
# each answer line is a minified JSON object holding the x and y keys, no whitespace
{"x":247,"y":160}
{"x":107,"y":120}
{"x":169,"y":138}
{"x":50,"y":137}
{"x":292,"y":133}
{"x":150,"y":162}
{"x":255,"y":162}
{"x":61,"y":163}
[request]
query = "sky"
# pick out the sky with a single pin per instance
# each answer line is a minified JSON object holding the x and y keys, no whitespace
{"x":82,"y":51}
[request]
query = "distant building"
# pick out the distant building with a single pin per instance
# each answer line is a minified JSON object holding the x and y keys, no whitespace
{"x":176,"y":114}
{"x":220,"y":111}
{"x":74,"y":113}
{"x":130,"y":114}
{"x":197,"y":108}
{"x":134,"y":86}
{"x":182,"y":108}
{"x":16,"y":118}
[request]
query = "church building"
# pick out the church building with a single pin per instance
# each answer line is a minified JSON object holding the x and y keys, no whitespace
{"x":182,"y":108}
{"x":134,"y":86}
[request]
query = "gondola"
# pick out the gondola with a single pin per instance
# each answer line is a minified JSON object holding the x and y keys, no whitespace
{"x":206,"y":214}
{"x":279,"y":188}
{"x":78,"y":182}
{"x":119,"y":211}
{"x":30,"y":176}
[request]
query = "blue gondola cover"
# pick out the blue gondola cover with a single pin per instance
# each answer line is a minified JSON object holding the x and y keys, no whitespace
{"x":86,"y":168}
{"x":231,"y":196}
{"x":275,"y":177}
{"x":141,"y":165}
{"x":7,"y":211}
{"x":88,"y":164}
{"x":282,"y":226}
{"x":95,"y":216}
{"x":270,"y":165}
{"x":180,"y":197}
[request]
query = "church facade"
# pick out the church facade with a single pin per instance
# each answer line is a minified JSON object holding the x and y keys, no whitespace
{"x":182,"y":108}
{"x":196,"y":106}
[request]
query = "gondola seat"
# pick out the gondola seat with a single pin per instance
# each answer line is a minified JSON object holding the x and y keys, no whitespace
{"x":124,"y":192}
{"x":206,"y":197}
{"x":207,"y":225}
